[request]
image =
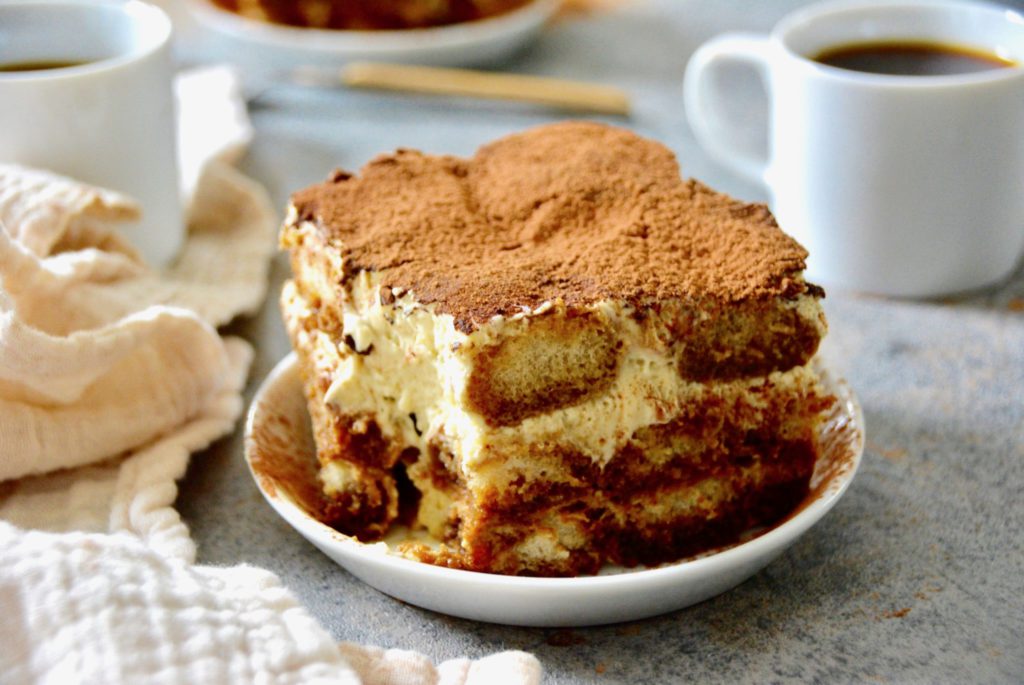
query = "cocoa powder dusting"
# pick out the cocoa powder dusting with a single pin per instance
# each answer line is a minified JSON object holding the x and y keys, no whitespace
{"x":577,"y":211}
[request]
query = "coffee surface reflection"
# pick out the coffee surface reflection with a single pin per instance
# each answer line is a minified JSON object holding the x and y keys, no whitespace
{"x":38,"y":66}
{"x":905,"y":58}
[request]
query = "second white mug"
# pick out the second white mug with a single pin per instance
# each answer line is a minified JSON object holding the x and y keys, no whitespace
{"x":898,"y":185}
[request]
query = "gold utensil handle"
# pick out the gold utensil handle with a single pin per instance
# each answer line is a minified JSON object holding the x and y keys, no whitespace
{"x":563,"y":94}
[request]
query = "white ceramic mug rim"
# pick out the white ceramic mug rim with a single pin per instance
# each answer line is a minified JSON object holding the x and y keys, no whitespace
{"x":783,"y":31}
{"x":139,"y":12}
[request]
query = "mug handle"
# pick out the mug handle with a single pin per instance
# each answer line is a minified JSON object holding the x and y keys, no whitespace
{"x":703,"y":100}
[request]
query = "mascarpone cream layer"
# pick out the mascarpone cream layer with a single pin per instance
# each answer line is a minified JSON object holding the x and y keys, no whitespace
{"x":409,"y":369}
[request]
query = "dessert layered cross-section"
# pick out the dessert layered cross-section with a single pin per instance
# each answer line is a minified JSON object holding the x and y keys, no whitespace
{"x":552,"y":356}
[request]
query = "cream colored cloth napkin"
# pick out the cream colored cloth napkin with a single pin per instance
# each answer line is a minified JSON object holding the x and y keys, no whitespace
{"x":111,"y":375}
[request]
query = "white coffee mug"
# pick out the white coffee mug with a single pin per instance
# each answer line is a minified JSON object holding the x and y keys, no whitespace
{"x":109,"y":120}
{"x":897,"y":185}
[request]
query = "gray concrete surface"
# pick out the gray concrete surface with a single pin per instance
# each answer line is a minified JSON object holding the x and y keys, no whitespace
{"x":918,"y":573}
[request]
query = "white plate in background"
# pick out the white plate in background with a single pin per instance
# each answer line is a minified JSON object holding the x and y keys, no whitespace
{"x":235,"y":38}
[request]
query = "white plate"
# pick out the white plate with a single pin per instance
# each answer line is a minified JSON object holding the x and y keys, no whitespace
{"x":280,"y":452}
{"x":275,"y":45}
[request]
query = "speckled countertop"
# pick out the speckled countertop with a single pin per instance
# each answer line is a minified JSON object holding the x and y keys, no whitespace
{"x":918,"y":573}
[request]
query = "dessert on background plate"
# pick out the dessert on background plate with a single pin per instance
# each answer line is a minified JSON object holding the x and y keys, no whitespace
{"x":375,"y":15}
{"x":283,"y":35}
{"x":552,"y":356}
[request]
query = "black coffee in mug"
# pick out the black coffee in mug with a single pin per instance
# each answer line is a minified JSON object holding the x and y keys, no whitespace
{"x":911,"y":58}
{"x":38,"y":66}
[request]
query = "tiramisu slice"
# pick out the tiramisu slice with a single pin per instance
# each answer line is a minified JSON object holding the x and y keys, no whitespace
{"x":553,"y":355}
